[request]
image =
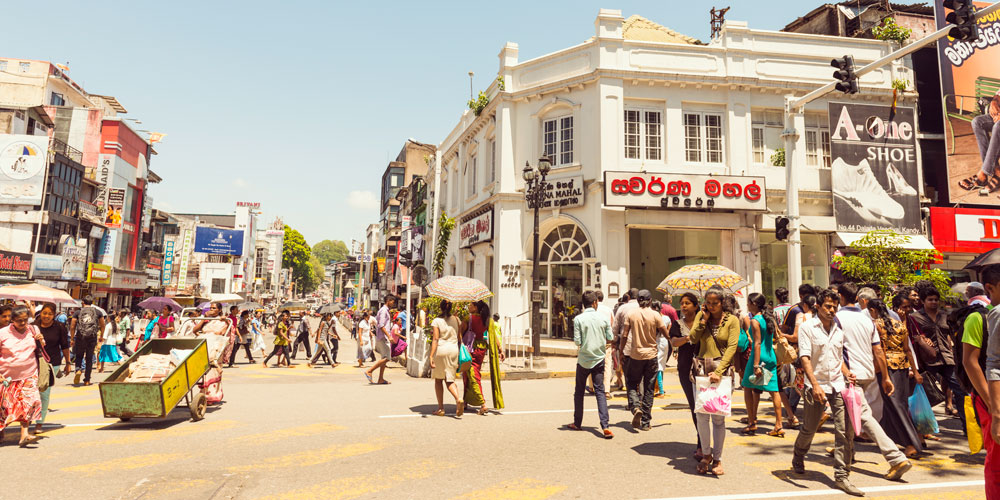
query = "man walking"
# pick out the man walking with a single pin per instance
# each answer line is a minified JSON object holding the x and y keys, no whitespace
{"x":639,"y":334}
{"x":980,"y":356}
{"x":864,"y":352}
{"x":383,"y":324}
{"x":821,"y":353}
{"x":933,"y":324}
{"x":591,"y":333}
{"x":302,"y":336}
{"x":629,"y":303}
{"x":609,"y":362}
{"x":84,"y":328}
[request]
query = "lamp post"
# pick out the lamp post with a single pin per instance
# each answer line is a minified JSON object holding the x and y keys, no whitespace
{"x":534,"y":194}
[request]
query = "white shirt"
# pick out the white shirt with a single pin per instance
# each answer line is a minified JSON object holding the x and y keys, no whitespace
{"x":859,"y":336}
{"x":826,"y":353}
{"x":620,"y":316}
{"x":610,"y":313}
{"x":364,"y":332}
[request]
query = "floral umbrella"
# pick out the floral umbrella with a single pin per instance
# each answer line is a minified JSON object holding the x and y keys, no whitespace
{"x":36,"y":293}
{"x":458,"y":289}
{"x":698,"y":278}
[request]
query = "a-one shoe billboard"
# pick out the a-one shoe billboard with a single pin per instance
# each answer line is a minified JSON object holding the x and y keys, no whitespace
{"x":970,"y":84}
{"x":873,"y":149}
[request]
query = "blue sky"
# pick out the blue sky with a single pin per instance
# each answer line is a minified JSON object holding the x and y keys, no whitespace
{"x":300,"y":105}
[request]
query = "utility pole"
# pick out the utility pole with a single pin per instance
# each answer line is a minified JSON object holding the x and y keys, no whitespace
{"x":795,"y":121}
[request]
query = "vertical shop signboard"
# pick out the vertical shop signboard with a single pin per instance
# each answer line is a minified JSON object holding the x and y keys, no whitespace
{"x":182,"y":268}
{"x":168,"y":262}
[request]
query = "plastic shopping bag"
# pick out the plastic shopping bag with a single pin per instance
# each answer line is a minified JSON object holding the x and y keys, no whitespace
{"x":854,"y":398}
{"x":921,"y":412}
{"x":714,"y":399}
{"x":974,"y":432}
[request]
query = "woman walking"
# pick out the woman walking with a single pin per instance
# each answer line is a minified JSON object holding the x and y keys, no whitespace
{"x":109,"y":344}
{"x":57,"y":346}
{"x":662,"y":348}
{"x":321,"y":338}
{"x":257,"y":327}
{"x":679,"y":338}
{"x":895,"y":340}
{"x":479,"y":317}
{"x":717,"y":333}
{"x":761,"y":374}
{"x":444,"y":357}
{"x":364,"y":338}
{"x":280,"y":340}
{"x":20,"y":347}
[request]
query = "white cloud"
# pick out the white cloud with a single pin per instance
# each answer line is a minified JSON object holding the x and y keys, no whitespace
{"x":362,"y":200}
{"x":240,"y":182}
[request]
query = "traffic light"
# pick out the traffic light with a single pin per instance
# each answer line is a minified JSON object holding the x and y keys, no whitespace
{"x":845,"y":73}
{"x":781,"y":228}
{"x":963,"y":16}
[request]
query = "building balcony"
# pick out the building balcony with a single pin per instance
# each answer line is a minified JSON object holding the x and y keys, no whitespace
{"x":68,"y":151}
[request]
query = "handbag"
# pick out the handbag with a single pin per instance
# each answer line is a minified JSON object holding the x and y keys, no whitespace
{"x":926,"y":350}
{"x":44,"y":366}
{"x":931,"y":389}
{"x":399,"y":348}
{"x":464,"y":358}
{"x":784,"y":352}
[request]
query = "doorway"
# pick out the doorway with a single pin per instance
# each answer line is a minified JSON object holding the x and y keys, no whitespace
{"x":564,"y":255}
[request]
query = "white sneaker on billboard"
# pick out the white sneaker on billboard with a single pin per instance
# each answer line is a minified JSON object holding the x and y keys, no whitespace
{"x":858,"y":184}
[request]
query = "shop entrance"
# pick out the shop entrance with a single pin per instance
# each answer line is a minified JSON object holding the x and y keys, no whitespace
{"x":565,"y":269}
{"x":655,"y":253}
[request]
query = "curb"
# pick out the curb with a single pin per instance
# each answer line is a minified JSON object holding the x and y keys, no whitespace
{"x":535,"y":375}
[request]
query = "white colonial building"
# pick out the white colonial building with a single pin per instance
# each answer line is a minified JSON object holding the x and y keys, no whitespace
{"x":643,"y":105}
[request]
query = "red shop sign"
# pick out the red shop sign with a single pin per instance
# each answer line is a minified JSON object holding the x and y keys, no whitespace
{"x":965,"y":230}
{"x":683,"y":191}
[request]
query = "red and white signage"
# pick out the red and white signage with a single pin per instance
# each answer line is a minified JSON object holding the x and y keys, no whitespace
{"x":683,"y":191}
{"x":476,"y":230}
{"x":965,"y":230}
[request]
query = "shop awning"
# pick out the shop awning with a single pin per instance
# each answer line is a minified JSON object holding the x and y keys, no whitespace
{"x":917,"y":242}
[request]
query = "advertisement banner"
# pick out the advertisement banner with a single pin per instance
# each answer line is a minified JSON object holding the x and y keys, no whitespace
{"x":147,"y":210}
{"x":417,"y":243}
{"x":22,"y":168}
{"x":113,"y":210}
{"x":128,"y":280}
{"x":14,"y":265}
{"x":45,"y":266}
{"x":98,"y":273}
{"x":103,"y":174}
{"x":683,"y":191}
{"x":218,"y":241}
{"x":874,"y":170}
{"x":476,"y":230}
{"x":965,"y":230}
{"x":564,"y":193}
{"x":74,"y":262}
{"x":970,"y":83}
{"x":182,"y":267}
{"x":168,"y":261}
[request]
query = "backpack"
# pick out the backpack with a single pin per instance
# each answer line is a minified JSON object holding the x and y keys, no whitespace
{"x":87,"y":322}
{"x":960,"y":315}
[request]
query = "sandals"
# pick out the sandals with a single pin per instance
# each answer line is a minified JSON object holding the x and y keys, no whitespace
{"x":460,"y":409}
{"x":717,"y":468}
{"x":28,"y":440}
{"x":483,"y":411}
{"x":971,"y":183}
{"x":698,"y":455}
{"x":750,"y":430}
{"x":438,"y":413}
{"x":777,"y":432}
{"x":705,"y":464}
{"x":793,"y":423}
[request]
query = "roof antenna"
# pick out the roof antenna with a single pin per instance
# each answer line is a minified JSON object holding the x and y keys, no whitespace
{"x":718,"y":18}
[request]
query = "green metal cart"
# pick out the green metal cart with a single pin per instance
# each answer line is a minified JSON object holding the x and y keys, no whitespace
{"x":126,"y":400}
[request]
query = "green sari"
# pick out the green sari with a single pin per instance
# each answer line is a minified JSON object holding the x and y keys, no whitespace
{"x":494,"y":353}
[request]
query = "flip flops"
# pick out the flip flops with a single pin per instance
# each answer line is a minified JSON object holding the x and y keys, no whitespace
{"x":369,"y":377}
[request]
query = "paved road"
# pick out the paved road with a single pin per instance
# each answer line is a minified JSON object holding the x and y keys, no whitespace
{"x":325,"y":433}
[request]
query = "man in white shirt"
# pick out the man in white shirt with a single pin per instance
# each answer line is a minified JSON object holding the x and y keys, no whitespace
{"x":821,"y":353}
{"x":864,"y":353}
{"x":616,"y":327}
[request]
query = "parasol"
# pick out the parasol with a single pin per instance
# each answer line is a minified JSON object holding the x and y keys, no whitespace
{"x":458,"y":289}
{"x":36,"y":293}
{"x":698,"y":278}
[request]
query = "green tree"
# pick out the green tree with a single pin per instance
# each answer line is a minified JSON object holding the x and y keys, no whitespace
{"x":317,"y":272}
{"x":445,"y":226}
{"x":330,"y":251}
{"x":881,"y":259}
{"x":295,"y":256}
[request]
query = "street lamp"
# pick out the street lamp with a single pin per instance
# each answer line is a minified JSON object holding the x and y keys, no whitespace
{"x":534,"y":194}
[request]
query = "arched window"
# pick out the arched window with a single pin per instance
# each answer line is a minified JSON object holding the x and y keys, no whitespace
{"x":564,"y":243}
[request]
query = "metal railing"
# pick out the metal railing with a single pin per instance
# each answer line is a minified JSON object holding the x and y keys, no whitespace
{"x":517,"y":346}
{"x":67,"y":150}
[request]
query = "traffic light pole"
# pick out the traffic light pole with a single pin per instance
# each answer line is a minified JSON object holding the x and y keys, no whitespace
{"x":794,"y":155}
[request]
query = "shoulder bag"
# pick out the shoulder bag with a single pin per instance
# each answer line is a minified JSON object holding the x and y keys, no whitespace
{"x":44,"y":365}
{"x":926,"y":350}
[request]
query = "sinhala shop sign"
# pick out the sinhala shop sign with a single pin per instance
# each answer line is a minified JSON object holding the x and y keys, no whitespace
{"x":683,"y":191}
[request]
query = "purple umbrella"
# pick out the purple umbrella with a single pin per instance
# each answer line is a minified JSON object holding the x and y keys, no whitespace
{"x":205,"y":305}
{"x":157,"y":303}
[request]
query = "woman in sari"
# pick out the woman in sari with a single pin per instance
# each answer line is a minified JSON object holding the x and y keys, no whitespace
{"x":895,"y":339}
{"x":20,"y":401}
{"x":216,"y":326}
{"x":479,"y":315}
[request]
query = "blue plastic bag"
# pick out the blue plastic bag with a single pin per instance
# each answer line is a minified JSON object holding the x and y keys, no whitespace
{"x":921,"y":412}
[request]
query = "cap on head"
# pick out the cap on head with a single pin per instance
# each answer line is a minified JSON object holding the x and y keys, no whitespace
{"x":645,"y":295}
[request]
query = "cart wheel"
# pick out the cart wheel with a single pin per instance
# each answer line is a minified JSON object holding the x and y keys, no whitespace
{"x":125,"y":419}
{"x":199,"y":403}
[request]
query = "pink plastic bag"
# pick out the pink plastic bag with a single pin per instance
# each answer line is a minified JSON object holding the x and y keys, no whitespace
{"x":854,"y":399}
{"x":714,"y":399}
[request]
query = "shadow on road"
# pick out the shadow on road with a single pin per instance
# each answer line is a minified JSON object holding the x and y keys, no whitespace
{"x":680,"y":455}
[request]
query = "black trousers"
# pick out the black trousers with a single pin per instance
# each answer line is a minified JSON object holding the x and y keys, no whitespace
{"x":334,"y":347}
{"x":236,"y":349}
{"x":124,"y":347}
{"x":641,"y":373}
{"x":83,"y":348}
{"x":278,"y":349}
{"x":301,"y":339}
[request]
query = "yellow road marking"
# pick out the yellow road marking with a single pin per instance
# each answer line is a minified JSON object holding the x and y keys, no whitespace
{"x":60,"y":405}
{"x":945,"y":495}
{"x":280,"y":435}
{"x":359,"y":486}
{"x":181,"y":429}
{"x":260,"y":376}
{"x":124,"y":463}
{"x":313,"y":457}
{"x":526,"y":489}
{"x":59,"y":416}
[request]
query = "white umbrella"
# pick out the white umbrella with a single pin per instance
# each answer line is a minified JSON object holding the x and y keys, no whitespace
{"x":36,"y":293}
{"x":458,"y":289}
{"x":225,"y":297}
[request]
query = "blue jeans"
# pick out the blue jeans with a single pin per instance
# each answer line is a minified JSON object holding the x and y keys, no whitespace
{"x":597,"y":373}
{"x":988,"y":138}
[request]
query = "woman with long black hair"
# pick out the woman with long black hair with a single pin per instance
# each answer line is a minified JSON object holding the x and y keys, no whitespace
{"x":444,"y":357}
{"x":679,"y":332}
{"x":761,"y":373}
{"x":895,"y":337}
